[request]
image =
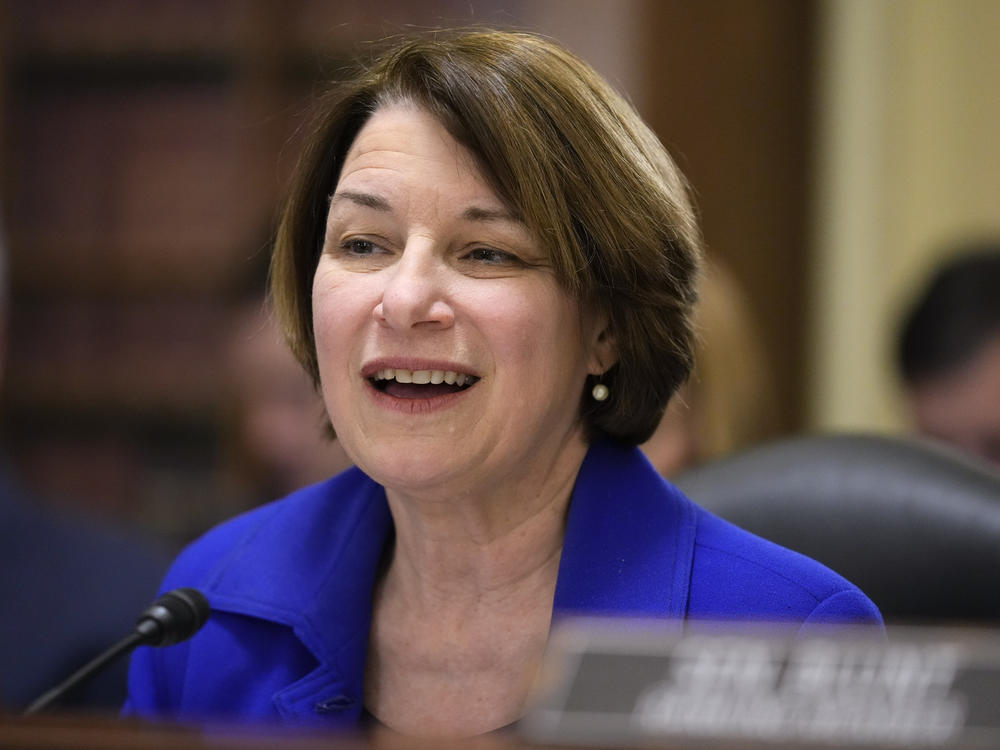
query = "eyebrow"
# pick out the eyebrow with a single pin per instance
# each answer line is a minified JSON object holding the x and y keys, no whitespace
{"x":473,"y":213}
{"x":367,"y":200}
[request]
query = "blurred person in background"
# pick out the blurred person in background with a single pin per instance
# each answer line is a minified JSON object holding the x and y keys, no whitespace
{"x":71,"y":587}
{"x":948,"y":352}
{"x":728,"y":403}
{"x":275,"y":417}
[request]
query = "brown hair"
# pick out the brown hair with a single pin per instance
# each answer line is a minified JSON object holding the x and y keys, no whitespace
{"x":729,"y":402}
{"x":571,"y":158}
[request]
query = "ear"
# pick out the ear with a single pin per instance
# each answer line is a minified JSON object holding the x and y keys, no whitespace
{"x":603,"y":350}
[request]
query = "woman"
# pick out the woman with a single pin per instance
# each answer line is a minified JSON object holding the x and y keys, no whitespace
{"x":487,"y":266}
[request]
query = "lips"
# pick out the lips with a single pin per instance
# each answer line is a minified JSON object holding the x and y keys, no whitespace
{"x":412,"y":384}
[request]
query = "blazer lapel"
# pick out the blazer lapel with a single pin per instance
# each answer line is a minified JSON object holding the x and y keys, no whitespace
{"x":312,"y":567}
{"x":629,"y":541}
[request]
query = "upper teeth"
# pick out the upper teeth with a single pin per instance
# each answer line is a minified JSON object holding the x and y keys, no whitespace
{"x":425,"y":376}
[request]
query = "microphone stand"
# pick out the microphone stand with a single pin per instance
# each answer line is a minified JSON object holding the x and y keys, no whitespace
{"x":174,"y":617}
{"x":49,"y":697}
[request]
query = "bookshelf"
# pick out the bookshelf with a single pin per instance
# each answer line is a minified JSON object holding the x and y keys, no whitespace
{"x":145,"y":147}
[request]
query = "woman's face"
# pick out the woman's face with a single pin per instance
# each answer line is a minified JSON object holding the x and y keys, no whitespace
{"x":448,"y":352}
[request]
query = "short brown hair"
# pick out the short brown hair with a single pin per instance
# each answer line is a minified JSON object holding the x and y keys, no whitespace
{"x":576,"y":164}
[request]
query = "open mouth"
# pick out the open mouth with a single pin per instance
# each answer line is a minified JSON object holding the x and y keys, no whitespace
{"x":421,"y":383}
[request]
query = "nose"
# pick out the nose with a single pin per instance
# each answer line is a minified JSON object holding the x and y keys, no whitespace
{"x":415,"y":293}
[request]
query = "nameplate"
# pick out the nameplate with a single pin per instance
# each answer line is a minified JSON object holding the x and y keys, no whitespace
{"x":626,"y":684}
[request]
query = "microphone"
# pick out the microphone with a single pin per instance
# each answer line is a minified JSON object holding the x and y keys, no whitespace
{"x":174,"y":617}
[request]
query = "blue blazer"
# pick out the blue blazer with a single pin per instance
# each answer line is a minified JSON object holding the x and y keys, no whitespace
{"x":290,"y":585}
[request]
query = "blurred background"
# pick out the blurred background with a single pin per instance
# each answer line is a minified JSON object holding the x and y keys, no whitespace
{"x":837,"y":149}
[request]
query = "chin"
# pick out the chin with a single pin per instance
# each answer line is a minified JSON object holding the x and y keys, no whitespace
{"x":412,"y":467}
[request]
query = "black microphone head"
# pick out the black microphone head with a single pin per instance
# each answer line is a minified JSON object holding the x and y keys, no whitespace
{"x":174,"y":617}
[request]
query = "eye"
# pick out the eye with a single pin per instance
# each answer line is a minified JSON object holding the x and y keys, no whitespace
{"x":360,"y":247}
{"x":492,"y":256}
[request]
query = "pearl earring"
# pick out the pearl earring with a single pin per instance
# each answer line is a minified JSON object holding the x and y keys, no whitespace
{"x":600,"y":392}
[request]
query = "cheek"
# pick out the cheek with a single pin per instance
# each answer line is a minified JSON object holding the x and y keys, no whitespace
{"x":339,"y":306}
{"x":324,"y":314}
{"x":539,"y":332}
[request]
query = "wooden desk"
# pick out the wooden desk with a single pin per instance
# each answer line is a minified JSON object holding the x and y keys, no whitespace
{"x":97,"y":733}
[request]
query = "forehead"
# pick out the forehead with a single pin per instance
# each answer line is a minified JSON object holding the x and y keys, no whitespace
{"x":409,"y":141}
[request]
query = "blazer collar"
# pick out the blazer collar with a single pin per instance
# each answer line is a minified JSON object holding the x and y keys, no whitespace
{"x":312,"y":566}
{"x":310,"y":563}
{"x":629,"y":543}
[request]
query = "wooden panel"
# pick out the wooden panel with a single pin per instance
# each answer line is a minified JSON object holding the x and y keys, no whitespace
{"x":727,"y":86}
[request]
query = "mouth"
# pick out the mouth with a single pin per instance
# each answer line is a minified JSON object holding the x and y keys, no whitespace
{"x":421,"y":383}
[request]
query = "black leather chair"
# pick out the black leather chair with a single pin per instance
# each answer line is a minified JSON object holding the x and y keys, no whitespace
{"x":915,"y":525}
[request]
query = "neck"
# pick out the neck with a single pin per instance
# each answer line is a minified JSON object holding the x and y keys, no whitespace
{"x":471,"y":552}
{"x":462,"y":614}
{"x":475,"y":548}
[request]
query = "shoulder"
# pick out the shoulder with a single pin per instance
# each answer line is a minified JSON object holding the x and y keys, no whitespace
{"x":279,"y":580}
{"x":635,"y":544}
{"x":736,"y":574}
{"x":265,"y":535}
